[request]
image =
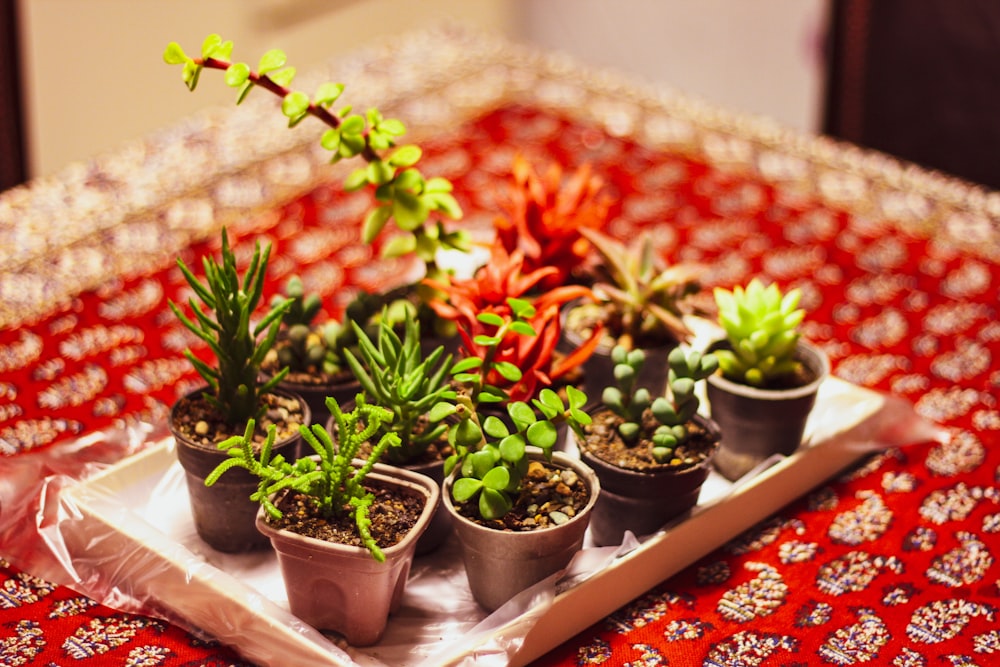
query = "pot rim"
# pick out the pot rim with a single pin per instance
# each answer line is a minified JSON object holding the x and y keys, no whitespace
{"x":382,"y":473}
{"x":628,"y":473}
{"x":808,"y":353}
{"x":559,"y":458}
{"x":181,"y":441}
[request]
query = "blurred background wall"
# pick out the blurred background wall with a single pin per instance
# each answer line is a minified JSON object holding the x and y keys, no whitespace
{"x":93,"y":77}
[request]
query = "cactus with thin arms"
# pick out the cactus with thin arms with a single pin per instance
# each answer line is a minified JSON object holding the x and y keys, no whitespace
{"x":672,"y":411}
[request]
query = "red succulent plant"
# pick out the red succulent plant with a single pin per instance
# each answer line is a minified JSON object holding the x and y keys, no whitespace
{"x":488,"y":291}
{"x":544,"y":213}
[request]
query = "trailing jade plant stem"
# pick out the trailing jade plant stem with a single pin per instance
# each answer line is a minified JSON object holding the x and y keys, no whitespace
{"x":402,"y":193}
{"x":417,"y":389}
{"x":239,"y":351}
{"x":494,"y":457}
{"x":332,"y":481}
{"x":672,"y":412}
{"x":762,"y":328}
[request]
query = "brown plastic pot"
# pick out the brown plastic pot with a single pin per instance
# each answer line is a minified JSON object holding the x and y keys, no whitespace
{"x":224,"y":516}
{"x":440,"y":525}
{"x":644,"y":501}
{"x":339,"y":588}
{"x":759,"y":423}
{"x":500,"y":564}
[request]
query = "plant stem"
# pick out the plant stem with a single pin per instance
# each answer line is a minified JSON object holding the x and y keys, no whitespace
{"x":266,"y":83}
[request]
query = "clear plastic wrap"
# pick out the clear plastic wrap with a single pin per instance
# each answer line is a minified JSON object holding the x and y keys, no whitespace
{"x":108,"y":516}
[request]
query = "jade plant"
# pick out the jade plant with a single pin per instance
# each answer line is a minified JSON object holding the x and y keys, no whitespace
{"x":395,"y":374}
{"x":762,"y":328}
{"x":223,"y":322}
{"x":644,"y":301}
{"x":402,"y":193}
{"x":671,"y":413}
{"x":331,"y":481}
{"x":492,"y":452}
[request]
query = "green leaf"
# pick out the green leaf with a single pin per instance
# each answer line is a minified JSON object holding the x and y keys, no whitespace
{"x":465,"y":488}
{"x":271,"y":61}
{"x":576,"y":398}
{"x":441,"y":411}
{"x":210,"y":44}
{"x":358,"y":178}
{"x":629,"y":431}
{"x":542,"y":434}
{"x":523,"y":328}
{"x":379,"y":172}
{"x":445,"y":203}
{"x":466,"y":364}
{"x":493,"y":504}
{"x":497,"y":478}
{"x":466,"y":434}
{"x":495,"y":428}
{"x":399,"y":245}
{"x":237,"y":74}
{"x":508,"y":371}
{"x":392,"y":126}
{"x":328,"y":93}
{"x":490,"y":318}
{"x":512,"y":448}
{"x":353,"y":125}
{"x":174,"y":54}
{"x":521,"y":414}
{"x":283,"y":77}
{"x":295,"y":104}
{"x":486,"y":341}
{"x":374,"y":222}
{"x":406,"y":156}
{"x":410,"y":212}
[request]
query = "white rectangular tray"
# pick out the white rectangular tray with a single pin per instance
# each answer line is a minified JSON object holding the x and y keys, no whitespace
{"x":133,"y":528}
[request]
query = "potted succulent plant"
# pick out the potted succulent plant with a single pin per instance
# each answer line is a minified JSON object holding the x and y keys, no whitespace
{"x":310,"y":354}
{"x":394,"y":373}
{"x":402,"y":194}
{"x":490,"y":290}
{"x":652,"y":454}
{"x":768,"y":375}
{"x":641,"y":304}
{"x":344,"y":528}
{"x":520,"y":510}
{"x":223,"y":307}
{"x":543,"y":215}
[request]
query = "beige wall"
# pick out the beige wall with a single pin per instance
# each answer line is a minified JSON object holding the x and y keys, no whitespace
{"x":95,"y":78}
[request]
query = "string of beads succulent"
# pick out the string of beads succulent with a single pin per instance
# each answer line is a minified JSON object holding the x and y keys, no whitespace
{"x":330,"y":480}
{"x":762,"y":328}
{"x":671,"y":412}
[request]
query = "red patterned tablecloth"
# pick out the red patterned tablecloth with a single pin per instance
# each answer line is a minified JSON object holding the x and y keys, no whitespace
{"x":891,"y":563}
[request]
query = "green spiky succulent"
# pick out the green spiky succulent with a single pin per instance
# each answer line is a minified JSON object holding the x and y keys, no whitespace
{"x":762,"y":328}
{"x":394,"y":373}
{"x":235,"y":388}
{"x":672,"y":412}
